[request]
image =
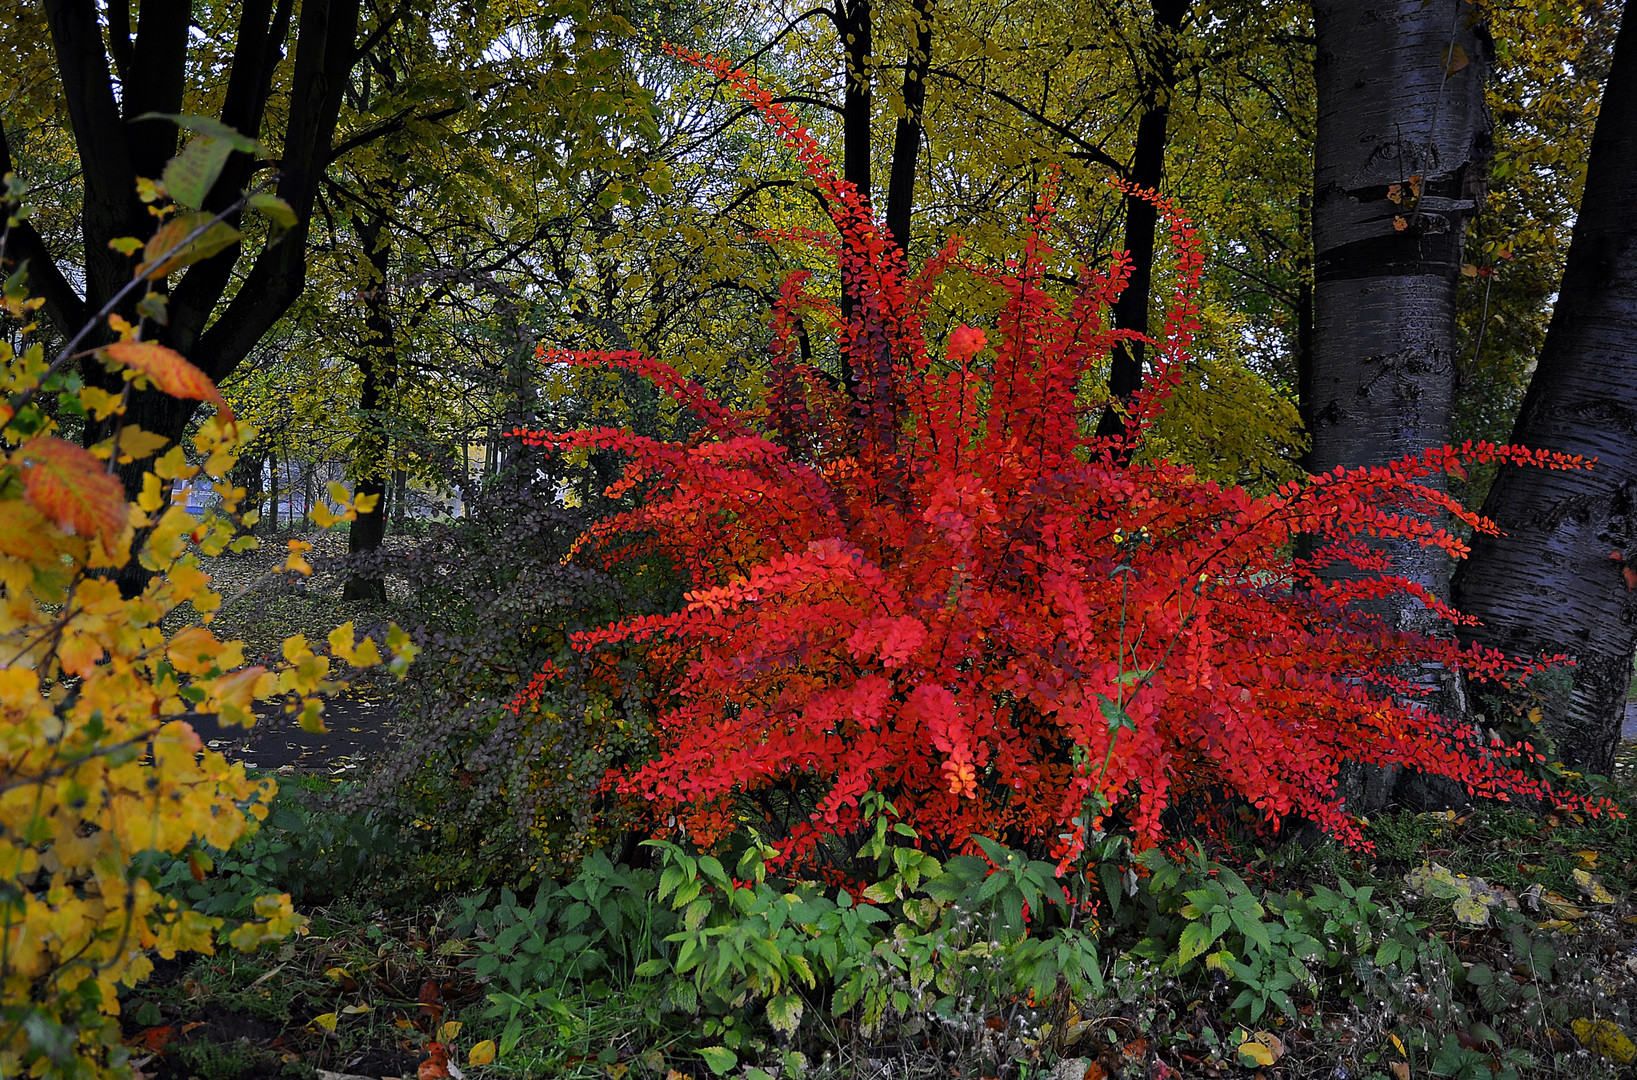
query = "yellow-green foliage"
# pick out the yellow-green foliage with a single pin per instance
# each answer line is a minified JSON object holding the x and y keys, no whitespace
{"x":97,"y":763}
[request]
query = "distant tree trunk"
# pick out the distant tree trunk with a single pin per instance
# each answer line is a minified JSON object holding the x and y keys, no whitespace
{"x":1157,"y":83}
{"x":400,"y":484}
{"x":907,"y":138}
{"x":273,"y":518}
{"x":1561,"y":578}
{"x":377,"y":360}
{"x":1401,"y":154}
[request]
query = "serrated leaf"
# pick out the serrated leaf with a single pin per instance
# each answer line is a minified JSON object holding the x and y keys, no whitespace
{"x":169,"y":371}
{"x":274,"y":209}
{"x":215,"y":129}
{"x":719,"y":1058}
{"x":190,"y":175}
{"x":25,"y":533}
{"x":136,"y":444}
{"x":784,"y":1013}
{"x":168,"y":251}
{"x":67,"y":484}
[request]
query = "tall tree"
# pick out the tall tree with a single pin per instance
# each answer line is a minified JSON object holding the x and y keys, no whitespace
{"x":1401,"y":148}
{"x":1563,"y":576}
{"x":1158,"y":72}
{"x":217,"y":310}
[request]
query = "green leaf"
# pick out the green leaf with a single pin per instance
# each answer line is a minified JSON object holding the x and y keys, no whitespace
{"x":190,"y":175}
{"x":649,"y":968}
{"x":273,"y":208}
{"x":719,"y":1058}
{"x":784,"y":1013}
{"x":215,"y":129}
{"x":1196,"y":938}
{"x":1116,"y":716}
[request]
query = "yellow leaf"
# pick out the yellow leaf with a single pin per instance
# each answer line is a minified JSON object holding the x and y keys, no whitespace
{"x":481,"y":1054}
{"x":136,"y":444}
{"x":336,"y":974}
{"x":358,"y":1009}
{"x":1591,"y":888}
{"x":1588,"y":858}
{"x":341,"y":640}
{"x":99,"y":403}
{"x":1560,"y":907}
{"x":366,"y":655}
{"x":1398,"y":1044}
{"x":25,"y":534}
{"x":1253,"y":1053}
{"x":448,"y":1031}
{"x":327,"y":1021}
{"x":1604,"y":1037}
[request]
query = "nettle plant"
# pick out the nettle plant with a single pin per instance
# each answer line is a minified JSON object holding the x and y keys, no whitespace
{"x":99,"y":768}
{"x":926,"y":578}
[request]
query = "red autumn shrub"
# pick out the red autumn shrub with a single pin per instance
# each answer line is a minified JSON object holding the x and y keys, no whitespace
{"x":925,"y":578}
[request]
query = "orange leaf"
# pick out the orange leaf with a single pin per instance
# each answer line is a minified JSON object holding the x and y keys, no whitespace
{"x":1631,"y":577}
{"x":168,"y":370}
{"x":66,"y":483}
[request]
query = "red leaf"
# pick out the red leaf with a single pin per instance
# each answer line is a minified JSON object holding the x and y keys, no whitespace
{"x":168,"y":370}
{"x":436,"y":1066}
{"x":67,"y":484}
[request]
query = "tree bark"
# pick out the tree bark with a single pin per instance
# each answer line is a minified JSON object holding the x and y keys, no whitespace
{"x":907,"y":137}
{"x":1558,"y":580}
{"x":377,"y":360}
{"x":1402,"y":151}
{"x":114,"y":149}
{"x":1157,"y":83}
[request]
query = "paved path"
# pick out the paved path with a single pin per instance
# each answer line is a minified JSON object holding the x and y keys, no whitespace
{"x":361,"y":729}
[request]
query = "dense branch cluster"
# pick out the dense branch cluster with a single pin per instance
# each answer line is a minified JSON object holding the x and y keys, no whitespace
{"x":929,"y":579}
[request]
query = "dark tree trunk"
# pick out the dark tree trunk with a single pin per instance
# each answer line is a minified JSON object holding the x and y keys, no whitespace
{"x":1558,"y":581}
{"x":1304,"y":329}
{"x":114,"y":150}
{"x":855,"y":21}
{"x":907,"y":138}
{"x":1401,"y":153}
{"x":377,"y":360}
{"x":1157,"y":83}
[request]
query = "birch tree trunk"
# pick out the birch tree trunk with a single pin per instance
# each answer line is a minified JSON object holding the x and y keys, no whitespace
{"x":1401,"y":153}
{"x":1553,"y":583}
